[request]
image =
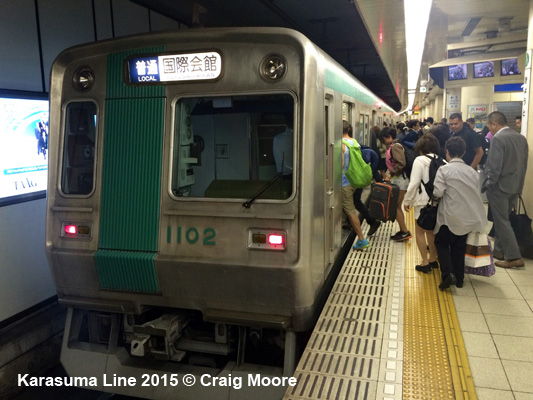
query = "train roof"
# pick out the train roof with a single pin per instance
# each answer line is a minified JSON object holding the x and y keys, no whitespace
{"x":337,"y":78}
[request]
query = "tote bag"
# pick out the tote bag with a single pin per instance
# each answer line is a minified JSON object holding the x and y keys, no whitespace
{"x":487,"y":270}
{"x":478,"y":253}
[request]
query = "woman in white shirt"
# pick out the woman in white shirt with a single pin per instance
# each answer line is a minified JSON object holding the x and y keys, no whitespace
{"x":416,"y":196}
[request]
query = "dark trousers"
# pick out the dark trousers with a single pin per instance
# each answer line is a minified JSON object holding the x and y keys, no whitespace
{"x":359,"y":206}
{"x":451,"y":250}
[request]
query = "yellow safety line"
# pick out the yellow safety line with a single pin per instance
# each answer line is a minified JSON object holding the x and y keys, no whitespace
{"x":435,"y":360}
{"x":464,"y":389}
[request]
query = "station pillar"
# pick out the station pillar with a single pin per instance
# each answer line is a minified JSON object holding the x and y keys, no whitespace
{"x":527,"y":129}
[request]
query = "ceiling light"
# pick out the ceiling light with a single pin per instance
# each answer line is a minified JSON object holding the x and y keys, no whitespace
{"x":470,"y":26}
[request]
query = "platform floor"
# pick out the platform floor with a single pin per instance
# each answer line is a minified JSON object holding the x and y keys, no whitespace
{"x":387,"y":332}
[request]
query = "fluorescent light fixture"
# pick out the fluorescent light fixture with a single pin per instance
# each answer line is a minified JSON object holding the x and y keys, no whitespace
{"x":470,"y":26}
{"x":416,"y":14}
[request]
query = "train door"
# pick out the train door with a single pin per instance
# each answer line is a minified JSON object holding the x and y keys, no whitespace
{"x":361,"y":129}
{"x":329,"y":174}
{"x":366,"y":131}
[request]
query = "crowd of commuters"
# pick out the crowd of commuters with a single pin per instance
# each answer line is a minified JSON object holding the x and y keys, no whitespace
{"x":500,"y":154}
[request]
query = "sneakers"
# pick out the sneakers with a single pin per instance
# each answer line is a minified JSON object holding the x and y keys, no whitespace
{"x":361,"y":244}
{"x":374,"y":227}
{"x":447,"y":282}
{"x":401,"y":236}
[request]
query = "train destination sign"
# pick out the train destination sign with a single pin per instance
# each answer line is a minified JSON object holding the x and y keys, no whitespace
{"x":177,"y":67}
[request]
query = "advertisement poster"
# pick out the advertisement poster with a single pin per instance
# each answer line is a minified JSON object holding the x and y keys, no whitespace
{"x":479,"y":113}
{"x":23,"y":154}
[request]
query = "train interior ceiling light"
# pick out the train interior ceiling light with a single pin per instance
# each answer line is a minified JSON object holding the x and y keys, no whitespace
{"x":24,"y":150}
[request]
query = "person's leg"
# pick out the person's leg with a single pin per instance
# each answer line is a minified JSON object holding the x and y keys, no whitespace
{"x":458,"y":249}
{"x":349,"y":210}
{"x":443,"y":246}
{"x":356,"y":225}
{"x":501,"y":205}
{"x":400,"y":218}
{"x":421,"y":244}
{"x":430,"y":240}
{"x":359,"y":206}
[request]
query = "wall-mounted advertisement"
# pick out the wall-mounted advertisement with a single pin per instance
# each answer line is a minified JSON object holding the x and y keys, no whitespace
{"x":24,"y":150}
{"x":479,"y":113}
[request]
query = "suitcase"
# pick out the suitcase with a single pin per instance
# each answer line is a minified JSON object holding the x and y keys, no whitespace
{"x":383,"y":201}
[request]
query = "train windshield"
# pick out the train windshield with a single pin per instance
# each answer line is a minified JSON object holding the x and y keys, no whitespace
{"x":78,"y":156}
{"x":233,"y":147}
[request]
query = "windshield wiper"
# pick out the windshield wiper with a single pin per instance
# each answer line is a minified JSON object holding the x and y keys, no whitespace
{"x":249,"y":202}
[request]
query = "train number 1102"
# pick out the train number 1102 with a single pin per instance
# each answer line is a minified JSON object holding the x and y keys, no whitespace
{"x":192,"y":235}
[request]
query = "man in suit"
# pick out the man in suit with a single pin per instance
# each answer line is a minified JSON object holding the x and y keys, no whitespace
{"x":505,"y":174}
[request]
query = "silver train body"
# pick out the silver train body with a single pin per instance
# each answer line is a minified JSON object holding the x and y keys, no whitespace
{"x":177,"y":231}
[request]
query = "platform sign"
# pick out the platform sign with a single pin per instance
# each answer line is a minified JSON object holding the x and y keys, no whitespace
{"x":175,"y":67}
{"x":526,"y":89}
{"x":453,"y":101}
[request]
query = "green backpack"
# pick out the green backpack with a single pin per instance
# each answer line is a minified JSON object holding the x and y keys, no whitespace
{"x":359,"y":173}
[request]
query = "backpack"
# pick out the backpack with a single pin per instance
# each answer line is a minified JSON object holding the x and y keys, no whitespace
{"x":359,"y":173}
{"x":434,"y":165}
{"x":410,"y":155}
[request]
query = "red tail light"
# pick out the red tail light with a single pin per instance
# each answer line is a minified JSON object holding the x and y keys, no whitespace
{"x":71,"y":229}
{"x":267,"y":239}
{"x":275,"y":239}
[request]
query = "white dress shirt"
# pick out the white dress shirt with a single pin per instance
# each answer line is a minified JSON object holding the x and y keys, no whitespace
{"x":461,"y":207}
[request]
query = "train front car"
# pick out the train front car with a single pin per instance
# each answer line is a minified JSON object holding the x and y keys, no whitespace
{"x":186,"y":232}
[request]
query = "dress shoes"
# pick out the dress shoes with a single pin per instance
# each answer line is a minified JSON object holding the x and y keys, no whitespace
{"x":497,"y":255}
{"x":518,"y":263}
{"x":447,"y":282}
{"x":423,"y":268}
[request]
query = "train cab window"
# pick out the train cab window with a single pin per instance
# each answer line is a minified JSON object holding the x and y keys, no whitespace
{"x":79,"y":147}
{"x":234,"y":147}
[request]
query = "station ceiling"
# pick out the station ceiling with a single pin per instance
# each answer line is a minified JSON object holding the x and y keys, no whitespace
{"x":367,"y":37}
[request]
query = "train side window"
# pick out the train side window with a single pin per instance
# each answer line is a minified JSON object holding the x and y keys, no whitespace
{"x":247,"y":145}
{"x":79,"y":147}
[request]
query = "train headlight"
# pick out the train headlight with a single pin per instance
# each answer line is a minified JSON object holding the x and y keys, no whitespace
{"x":273,"y":68}
{"x":83,"y":79}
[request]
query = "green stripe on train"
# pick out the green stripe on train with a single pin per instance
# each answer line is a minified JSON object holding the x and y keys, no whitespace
{"x":126,"y":270}
{"x":116,"y":86}
{"x":131,"y":181}
{"x":341,"y":83}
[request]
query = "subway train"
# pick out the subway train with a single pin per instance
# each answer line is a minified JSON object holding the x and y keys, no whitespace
{"x":194,"y":203}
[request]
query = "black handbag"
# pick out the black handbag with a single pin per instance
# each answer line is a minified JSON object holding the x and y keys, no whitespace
{"x":521,"y":224}
{"x":428,"y":217}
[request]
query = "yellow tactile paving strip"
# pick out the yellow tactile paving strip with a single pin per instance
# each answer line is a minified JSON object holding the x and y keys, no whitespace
{"x":435,"y":359}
